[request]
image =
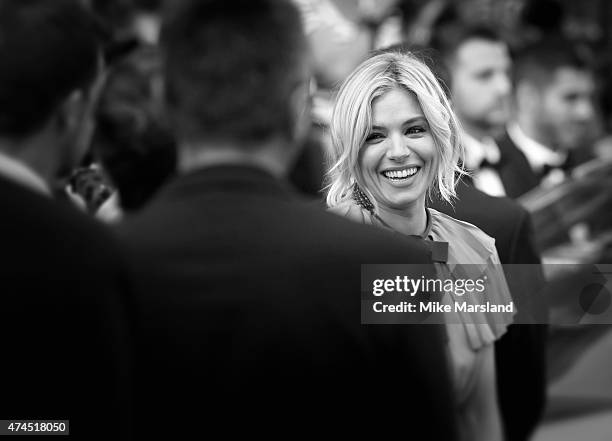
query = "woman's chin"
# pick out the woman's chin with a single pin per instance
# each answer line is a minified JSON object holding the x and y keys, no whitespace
{"x":404,"y":203}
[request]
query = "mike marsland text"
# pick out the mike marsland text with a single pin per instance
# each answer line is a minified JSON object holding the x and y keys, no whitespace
{"x":437,"y":307}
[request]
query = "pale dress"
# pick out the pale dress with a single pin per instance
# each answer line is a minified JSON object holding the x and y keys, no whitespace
{"x":470,"y":334}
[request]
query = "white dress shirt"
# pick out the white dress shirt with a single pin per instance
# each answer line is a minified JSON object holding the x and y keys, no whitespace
{"x":486,"y":179}
{"x":20,"y":173}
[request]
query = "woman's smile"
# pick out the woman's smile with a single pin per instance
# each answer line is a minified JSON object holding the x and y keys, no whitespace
{"x":401,"y":175}
{"x":397,"y":159}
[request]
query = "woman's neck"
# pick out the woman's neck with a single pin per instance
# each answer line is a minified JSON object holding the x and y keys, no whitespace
{"x":411,"y":221}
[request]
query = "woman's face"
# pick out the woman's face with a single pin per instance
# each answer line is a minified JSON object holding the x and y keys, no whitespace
{"x":399,"y":156}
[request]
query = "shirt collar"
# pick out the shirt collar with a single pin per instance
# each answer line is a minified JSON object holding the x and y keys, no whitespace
{"x":227,"y":179}
{"x":538,"y":155}
{"x":477,"y":151}
{"x":20,"y":173}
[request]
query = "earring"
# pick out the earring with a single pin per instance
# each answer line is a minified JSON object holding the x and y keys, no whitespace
{"x":362,"y":199}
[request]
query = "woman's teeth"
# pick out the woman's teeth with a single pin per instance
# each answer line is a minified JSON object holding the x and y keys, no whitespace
{"x":401,"y":174}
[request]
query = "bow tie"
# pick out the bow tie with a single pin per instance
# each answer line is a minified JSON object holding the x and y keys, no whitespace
{"x":485,"y":163}
{"x":565,"y":168}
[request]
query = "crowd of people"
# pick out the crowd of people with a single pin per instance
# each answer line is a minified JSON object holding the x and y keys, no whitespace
{"x":191,"y":189}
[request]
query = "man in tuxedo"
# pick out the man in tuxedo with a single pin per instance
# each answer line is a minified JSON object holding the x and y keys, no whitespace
{"x":476,"y":67}
{"x":248,"y":298}
{"x":555,"y":121}
{"x":63,"y":318}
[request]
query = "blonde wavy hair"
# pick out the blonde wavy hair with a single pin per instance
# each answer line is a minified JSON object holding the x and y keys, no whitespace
{"x":352,"y":121}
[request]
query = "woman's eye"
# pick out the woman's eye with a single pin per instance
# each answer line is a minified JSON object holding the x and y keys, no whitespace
{"x":415,"y":130}
{"x":374,"y":137}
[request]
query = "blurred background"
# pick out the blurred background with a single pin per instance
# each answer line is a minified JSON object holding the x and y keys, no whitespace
{"x":570,"y":199}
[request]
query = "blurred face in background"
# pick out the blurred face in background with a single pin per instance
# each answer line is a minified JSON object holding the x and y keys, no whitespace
{"x":564,"y":113}
{"x":481,"y":84}
{"x":375,"y":10}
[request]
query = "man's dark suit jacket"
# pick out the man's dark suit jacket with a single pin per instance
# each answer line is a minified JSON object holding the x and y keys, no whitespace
{"x":517,"y":175}
{"x":63,"y":321}
{"x":249,"y":318}
{"x":514,"y":170}
{"x":520,"y":353}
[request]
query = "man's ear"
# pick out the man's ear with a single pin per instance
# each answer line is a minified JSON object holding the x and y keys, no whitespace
{"x":81,"y":103}
{"x":300,"y":102}
{"x":70,"y":112}
{"x":77,"y":118}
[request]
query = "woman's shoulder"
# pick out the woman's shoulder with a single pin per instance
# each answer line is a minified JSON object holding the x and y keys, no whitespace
{"x":461,"y":234}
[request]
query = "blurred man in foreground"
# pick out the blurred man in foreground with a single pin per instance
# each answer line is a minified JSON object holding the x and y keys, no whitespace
{"x":248,"y":299}
{"x":63,"y":320}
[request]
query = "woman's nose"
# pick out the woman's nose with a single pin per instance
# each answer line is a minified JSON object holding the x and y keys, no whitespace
{"x":398,"y":148}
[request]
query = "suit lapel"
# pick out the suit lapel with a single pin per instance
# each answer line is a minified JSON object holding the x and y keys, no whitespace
{"x":514,"y":170}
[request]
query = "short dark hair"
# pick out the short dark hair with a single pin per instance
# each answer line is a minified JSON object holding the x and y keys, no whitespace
{"x":449,"y":38}
{"x":231,"y":66}
{"x":48,"y":49}
{"x":546,"y":15}
{"x":538,"y":62}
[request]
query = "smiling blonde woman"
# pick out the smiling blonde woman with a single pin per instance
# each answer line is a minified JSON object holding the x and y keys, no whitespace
{"x":396,"y":143}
